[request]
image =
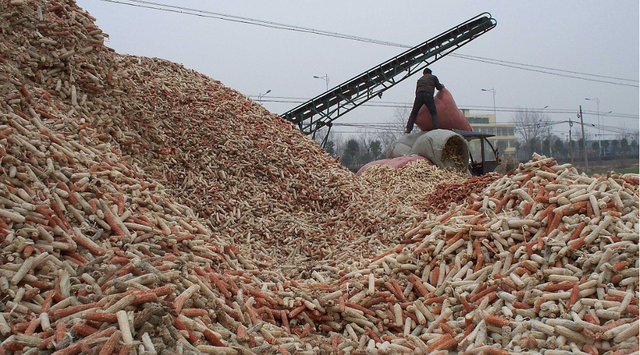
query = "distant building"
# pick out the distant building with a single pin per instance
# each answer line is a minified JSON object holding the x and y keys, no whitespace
{"x":504,"y":140}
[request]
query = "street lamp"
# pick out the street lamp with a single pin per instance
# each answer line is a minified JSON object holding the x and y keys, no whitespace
{"x":260,"y":96}
{"x":325,"y":78}
{"x":597,"y":100}
{"x":495,"y":116}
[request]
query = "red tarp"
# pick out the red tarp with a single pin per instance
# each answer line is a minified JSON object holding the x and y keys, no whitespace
{"x":449,"y":116}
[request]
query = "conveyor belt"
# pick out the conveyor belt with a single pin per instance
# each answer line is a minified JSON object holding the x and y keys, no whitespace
{"x":323,"y":109}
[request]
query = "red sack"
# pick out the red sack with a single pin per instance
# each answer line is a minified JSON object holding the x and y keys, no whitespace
{"x":396,"y":163}
{"x":449,"y":116}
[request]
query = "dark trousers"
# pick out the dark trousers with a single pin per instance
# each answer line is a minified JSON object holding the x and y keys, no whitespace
{"x":423,"y":98}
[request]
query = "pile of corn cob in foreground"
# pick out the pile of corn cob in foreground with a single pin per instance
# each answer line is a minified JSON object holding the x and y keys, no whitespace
{"x":148,"y":209}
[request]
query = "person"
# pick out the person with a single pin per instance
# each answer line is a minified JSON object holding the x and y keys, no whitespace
{"x":424,"y":96}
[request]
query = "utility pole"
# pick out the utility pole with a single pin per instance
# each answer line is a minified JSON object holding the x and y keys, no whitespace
{"x":584,"y":141}
{"x":597,"y":100}
{"x":549,"y":139}
{"x":570,"y":141}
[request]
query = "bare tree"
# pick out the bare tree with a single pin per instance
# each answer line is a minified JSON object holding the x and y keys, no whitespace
{"x":333,"y":143}
{"x":624,"y":146}
{"x":400,"y":118}
{"x":559,"y":148}
{"x":397,"y":123}
{"x":615,"y":148}
{"x":531,"y":127}
{"x":338,"y":144}
{"x":370,"y":149}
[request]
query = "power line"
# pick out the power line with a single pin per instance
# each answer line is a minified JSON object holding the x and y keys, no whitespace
{"x":534,"y":69}
{"x":392,"y":104}
{"x":245,"y":20}
{"x":471,"y":57}
{"x":276,"y":25}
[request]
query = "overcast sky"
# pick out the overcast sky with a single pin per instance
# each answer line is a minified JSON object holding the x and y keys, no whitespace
{"x":599,"y":38}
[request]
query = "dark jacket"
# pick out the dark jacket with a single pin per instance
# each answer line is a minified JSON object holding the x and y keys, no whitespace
{"x":427,"y":83}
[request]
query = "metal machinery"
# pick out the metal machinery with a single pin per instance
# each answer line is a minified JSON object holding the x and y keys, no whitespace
{"x":484,"y":158}
{"x":323,"y":109}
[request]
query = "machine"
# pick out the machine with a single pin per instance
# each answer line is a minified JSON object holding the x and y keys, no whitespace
{"x":320,"y":111}
{"x":483,"y":157}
